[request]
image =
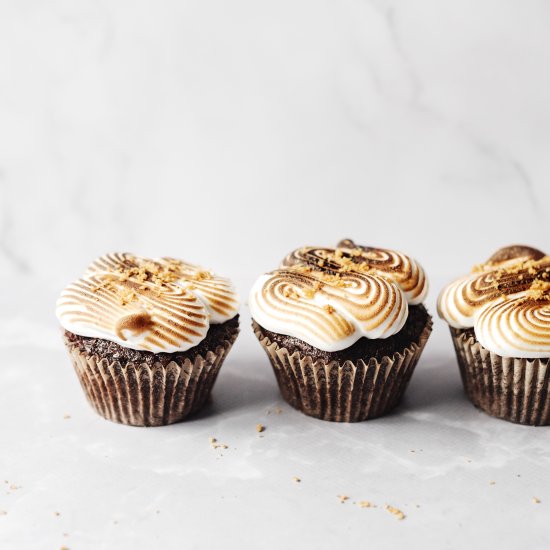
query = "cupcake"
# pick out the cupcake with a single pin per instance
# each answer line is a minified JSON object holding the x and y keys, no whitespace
{"x":499,"y":317}
{"x":343,"y":328}
{"x":147,"y":337}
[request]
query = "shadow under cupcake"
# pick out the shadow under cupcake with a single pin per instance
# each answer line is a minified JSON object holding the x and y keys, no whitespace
{"x":343,"y":328}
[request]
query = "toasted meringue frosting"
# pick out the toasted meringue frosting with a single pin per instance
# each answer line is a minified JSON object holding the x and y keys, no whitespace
{"x":160,"y":305}
{"x":507,"y":302}
{"x":331,"y":297}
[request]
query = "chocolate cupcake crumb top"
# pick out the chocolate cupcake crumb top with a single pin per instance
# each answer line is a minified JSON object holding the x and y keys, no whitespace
{"x":506,"y":301}
{"x":154,"y":305}
{"x":332,"y":297}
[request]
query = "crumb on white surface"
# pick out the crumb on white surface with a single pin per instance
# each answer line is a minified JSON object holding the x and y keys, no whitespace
{"x":395,"y":511}
{"x":365,"y":504}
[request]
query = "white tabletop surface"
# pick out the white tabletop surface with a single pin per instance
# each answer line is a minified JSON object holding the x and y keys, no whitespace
{"x":73,"y":479}
{"x":228,"y":134}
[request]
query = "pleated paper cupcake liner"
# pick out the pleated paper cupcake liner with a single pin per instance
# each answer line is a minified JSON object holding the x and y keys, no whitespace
{"x":149,"y":395}
{"x":348,"y":391}
{"x":510,"y":388}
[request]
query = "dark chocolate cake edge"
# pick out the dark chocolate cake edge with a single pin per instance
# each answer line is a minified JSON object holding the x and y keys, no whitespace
{"x":111,"y":351}
{"x":364,"y":348}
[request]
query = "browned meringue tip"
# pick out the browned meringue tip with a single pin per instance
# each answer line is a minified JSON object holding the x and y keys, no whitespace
{"x":144,"y":395}
{"x":516,"y":251}
{"x":343,"y":391}
{"x":512,"y":389}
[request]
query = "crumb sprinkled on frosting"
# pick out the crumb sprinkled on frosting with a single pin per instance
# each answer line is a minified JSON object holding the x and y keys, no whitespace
{"x":539,"y":290}
{"x":309,"y":293}
{"x":289,"y":292}
{"x":202,"y":275}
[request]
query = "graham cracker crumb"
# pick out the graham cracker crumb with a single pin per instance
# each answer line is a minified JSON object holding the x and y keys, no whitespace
{"x":329,"y":309}
{"x":215,"y":445}
{"x":395,"y":511}
{"x":365,"y":504}
{"x":260,"y":428}
{"x":342,"y":498}
{"x":309,"y":293}
{"x":201,"y":275}
{"x":290,"y":293}
{"x":126,"y":295}
{"x":539,"y":290}
{"x":478,"y":268}
{"x":298,"y":268}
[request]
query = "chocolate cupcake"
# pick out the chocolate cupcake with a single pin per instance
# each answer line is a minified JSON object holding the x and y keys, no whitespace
{"x":343,"y":328}
{"x":499,"y":317}
{"x":147,"y":337}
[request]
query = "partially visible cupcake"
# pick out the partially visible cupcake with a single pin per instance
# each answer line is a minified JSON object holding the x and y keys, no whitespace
{"x":499,"y":317}
{"x":147,"y":337}
{"x":343,"y":328}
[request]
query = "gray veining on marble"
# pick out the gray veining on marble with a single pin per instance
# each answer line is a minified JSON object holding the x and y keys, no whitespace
{"x":228,"y":134}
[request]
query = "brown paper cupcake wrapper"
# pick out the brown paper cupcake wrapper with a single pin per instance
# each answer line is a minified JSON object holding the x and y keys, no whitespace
{"x":506,"y":387}
{"x":343,"y":391}
{"x":149,"y":395}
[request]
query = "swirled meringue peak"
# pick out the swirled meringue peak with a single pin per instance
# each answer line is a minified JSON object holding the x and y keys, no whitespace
{"x":507,"y":302}
{"x":160,"y":305}
{"x":332,"y":297}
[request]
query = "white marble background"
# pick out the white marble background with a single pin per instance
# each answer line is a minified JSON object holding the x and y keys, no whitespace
{"x":228,"y":133}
